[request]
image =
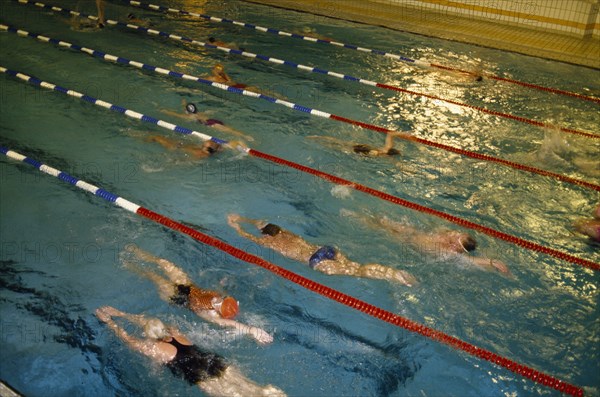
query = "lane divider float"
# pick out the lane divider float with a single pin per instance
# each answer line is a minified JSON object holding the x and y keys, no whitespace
{"x":323,"y":175}
{"x":314,"y":112}
{"x":319,"y":71}
{"x":330,"y":293}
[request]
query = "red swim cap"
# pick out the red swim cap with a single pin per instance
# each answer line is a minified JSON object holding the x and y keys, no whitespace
{"x":229,"y":308}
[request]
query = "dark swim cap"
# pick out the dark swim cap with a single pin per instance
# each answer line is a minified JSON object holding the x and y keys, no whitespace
{"x":393,"y":152}
{"x":271,"y":229}
{"x":361,"y":149}
{"x":191,"y":108}
{"x":469,"y":243}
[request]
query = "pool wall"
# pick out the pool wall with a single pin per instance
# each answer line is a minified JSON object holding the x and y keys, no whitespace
{"x":562,"y":30}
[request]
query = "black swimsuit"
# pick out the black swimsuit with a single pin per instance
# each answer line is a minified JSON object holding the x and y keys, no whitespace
{"x":195,"y":365}
{"x":182,"y":296}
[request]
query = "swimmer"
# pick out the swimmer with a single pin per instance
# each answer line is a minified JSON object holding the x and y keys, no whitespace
{"x":167,"y":346}
{"x":440,"y":243}
{"x":179,"y":290}
{"x":325,"y":259}
{"x":366,"y":150}
{"x":192,"y":113}
{"x":590,"y":227}
{"x":307,"y":31}
{"x":218,"y":75}
{"x":131,"y":18}
{"x":223,"y":44}
{"x":207,"y":149}
{"x":557,"y":151}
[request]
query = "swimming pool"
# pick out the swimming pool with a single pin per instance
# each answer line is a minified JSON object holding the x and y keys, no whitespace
{"x":61,"y":248}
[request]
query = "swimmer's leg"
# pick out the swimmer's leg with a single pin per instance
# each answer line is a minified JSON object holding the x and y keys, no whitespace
{"x":233,"y":383}
{"x":165,"y":287}
{"x":175,"y":274}
{"x":376,"y":271}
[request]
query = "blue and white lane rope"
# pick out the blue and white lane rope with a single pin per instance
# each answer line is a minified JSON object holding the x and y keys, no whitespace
{"x":304,"y":109}
{"x":348,"y":300}
{"x":88,"y":187}
{"x":277,"y":32}
{"x":318,"y":71}
{"x":411,"y":61}
{"x":114,"y":108}
{"x":323,"y":175}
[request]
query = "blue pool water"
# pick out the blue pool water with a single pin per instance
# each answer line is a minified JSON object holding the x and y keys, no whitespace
{"x":60,"y":248}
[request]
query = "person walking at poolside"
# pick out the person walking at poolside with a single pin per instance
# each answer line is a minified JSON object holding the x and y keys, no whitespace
{"x":441,"y":243}
{"x":179,"y":290}
{"x":325,"y":259}
{"x":167,"y":346}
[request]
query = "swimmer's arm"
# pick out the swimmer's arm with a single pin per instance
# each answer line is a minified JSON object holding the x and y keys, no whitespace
{"x":232,"y":131}
{"x":329,"y":141}
{"x":489,"y":264}
{"x":234,"y":221}
{"x":172,"y":113}
{"x":167,"y":143}
{"x":140,"y":345}
{"x":389,"y":140}
{"x":260,"y":335}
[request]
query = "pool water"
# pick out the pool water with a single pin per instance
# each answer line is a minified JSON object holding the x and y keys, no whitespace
{"x":60,"y":247}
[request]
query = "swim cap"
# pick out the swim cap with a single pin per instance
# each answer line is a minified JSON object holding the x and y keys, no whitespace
{"x":229,"y":308}
{"x":468,"y":243}
{"x":271,"y":229}
{"x":191,"y":108}
{"x":130,"y":16}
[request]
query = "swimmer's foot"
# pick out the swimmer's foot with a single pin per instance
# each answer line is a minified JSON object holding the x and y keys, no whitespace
{"x":405,"y":278}
{"x":273,"y":391}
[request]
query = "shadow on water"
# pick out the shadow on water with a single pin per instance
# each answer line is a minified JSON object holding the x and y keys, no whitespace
{"x":387,"y":364}
{"x":57,"y":311}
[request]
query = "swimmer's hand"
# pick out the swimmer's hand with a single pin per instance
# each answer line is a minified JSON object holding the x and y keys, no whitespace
{"x":239,"y":145}
{"x":104,"y":313}
{"x":260,"y":335}
{"x":405,"y":278}
{"x":233,"y":219}
{"x":500,"y":266}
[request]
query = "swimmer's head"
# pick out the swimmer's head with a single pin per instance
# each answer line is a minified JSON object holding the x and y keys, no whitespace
{"x":219,"y":68}
{"x":191,"y":108}
{"x":362,"y":149}
{"x":211,"y":147}
{"x":467,"y":242}
{"x":130,"y":16}
{"x":155,"y":329}
{"x":211,"y":39}
{"x":227,"y":307}
{"x":479,"y":78}
{"x":393,"y":152}
{"x":271,"y":230}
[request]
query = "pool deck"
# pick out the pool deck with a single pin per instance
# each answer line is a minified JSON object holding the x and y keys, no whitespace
{"x":6,"y":391}
{"x":528,"y":41}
